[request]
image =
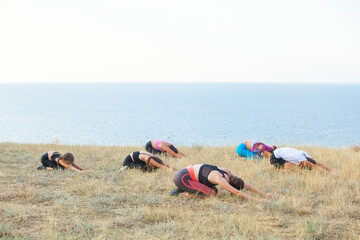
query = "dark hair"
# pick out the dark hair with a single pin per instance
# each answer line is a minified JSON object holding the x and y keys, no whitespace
{"x":311,"y":160}
{"x":156,"y":159}
{"x":272,"y":151}
{"x":236,"y":182}
{"x":69,"y":157}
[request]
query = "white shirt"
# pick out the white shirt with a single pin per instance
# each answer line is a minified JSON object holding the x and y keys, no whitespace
{"x":292,"y":155}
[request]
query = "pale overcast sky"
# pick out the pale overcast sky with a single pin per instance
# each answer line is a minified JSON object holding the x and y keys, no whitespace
{"x":179,"y":41}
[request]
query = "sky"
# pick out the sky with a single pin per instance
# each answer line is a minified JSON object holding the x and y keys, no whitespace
{"x":179,"y":41}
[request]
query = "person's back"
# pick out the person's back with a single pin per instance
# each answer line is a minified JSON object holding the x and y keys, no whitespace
{"x":291,"y":154}
{"x":204,"y":173}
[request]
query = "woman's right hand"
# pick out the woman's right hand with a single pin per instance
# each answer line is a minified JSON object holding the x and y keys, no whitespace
{"x":269,"y":195}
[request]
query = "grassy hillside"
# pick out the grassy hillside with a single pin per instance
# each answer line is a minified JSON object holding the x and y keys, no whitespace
{"x":107,"y":204}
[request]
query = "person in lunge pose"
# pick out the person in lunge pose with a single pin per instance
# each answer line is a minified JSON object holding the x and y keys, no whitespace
{"x":160,"y":146}
{"x":54,"y":160}
{"x":200,"y":180}
{"x":291,"y":158}
{"x":144,"y":161}
{"x":254,"y":149}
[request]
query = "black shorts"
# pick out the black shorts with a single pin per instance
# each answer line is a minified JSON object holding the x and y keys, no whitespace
{"x":149,"y":148}
{"x":277,"y":162}
{"x":47,"y":163}
{"x":131,"y":164}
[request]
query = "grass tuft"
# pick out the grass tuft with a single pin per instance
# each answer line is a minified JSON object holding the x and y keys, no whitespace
{"x":356,"y":148}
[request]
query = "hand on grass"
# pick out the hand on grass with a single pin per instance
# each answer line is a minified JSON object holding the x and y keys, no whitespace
{"x":269,"y":195}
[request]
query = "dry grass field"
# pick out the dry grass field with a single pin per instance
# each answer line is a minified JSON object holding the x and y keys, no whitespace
{"x":107,"y":204}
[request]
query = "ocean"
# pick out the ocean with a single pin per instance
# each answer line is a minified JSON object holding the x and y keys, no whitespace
{"x":185,"y":114}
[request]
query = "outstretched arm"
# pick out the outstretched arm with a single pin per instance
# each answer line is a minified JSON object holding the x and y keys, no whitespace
{"x":217,"y":178}
{"x":256,"y":190}
{"x":324,"y":167}
{"x":152,"y":162}
{"x":312,"y":165}
{"x":224,"y":184}
{"x":169,"y":151}
{"x":78,"y":167}
{"x":182,"y":154}
{"x":158,"y":165}
{"x":175,"y":169}
{"x":68,"y":166}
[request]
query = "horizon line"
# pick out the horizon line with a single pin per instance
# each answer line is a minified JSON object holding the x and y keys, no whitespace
{"x":177,"y":82}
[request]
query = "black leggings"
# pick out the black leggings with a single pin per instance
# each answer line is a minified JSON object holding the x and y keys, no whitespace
{"x":149,"y":148}
{"x":184,"y":182}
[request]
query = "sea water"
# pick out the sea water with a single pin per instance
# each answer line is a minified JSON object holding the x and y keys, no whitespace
{"x":213,"y":114}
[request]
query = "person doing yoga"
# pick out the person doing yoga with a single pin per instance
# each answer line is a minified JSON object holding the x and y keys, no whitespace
{"x":253,"y":149}
{"x":291,"y":158}
{"x":200,"y":180}
{"x":144,"y":161}
{"x":54,"y":160}
{"x":160,"y":146}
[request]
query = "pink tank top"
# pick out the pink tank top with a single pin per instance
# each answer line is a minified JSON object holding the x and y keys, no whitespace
{"x":157,"y":144}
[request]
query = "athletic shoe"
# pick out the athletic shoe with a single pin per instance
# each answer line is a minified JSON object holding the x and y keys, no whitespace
{"x":123,"y":169}
{"x":42,"y":167}
{"x":176,"y":192}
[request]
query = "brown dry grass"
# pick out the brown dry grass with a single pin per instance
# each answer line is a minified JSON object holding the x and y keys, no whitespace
{"x":356,"y":148}
{"x":107,"y":204}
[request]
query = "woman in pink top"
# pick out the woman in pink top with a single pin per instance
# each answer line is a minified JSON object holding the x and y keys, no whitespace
{"x":160,"y":146}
